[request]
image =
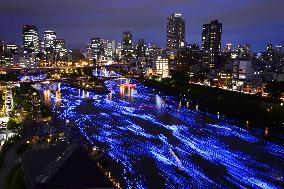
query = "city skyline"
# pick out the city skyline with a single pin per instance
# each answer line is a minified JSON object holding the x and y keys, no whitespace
{"x":237,"y":21}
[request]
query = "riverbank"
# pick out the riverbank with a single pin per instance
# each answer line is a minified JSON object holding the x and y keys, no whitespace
{"x":229,"y":103}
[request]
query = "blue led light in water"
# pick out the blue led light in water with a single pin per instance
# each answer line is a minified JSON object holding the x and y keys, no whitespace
{"x":181,"y":147}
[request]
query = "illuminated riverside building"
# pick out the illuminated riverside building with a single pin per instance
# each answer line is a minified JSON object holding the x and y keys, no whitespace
{"x":175,"y":31}
{"x":211,"y":43}
{"x":30,"y":39}
{"x":224,"y":80}
{"x":161,"y":67}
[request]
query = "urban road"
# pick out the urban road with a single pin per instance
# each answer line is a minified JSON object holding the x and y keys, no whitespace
{"x":153,"y":141}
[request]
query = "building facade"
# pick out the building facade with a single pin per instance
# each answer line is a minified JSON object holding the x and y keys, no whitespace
{"x":211,"y":42}
{"x":97,"y":48}
{"x":30,"y":39}
{"x":175,"y":31}
{"x":161,"y":68}
{"x":127,"y":45}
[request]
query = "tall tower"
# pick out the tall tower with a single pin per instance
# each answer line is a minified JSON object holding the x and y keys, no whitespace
{"x":141,"y":48}
{"x":49,"y":37}
{"x":30,"y":39}
{"x":175,"y":31}
{"x":59,"y":48}
{"x":97,"y":48}
{"x":211,"y":42}
{"x":127,"y":45}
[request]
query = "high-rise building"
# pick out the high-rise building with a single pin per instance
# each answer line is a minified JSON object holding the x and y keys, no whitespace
{"x":279,"y":49}
{"x":187,"y":57}
{"x":211,"y":42}
{"x":269,"y":50}
{"x":30,"y":39}
{"x":141,"y":48}
{"x":175,"y":31}
{"x":127,"y":45}
{"x":49,"y":37}
{"x":242,"y":72}
{"x":2,"y":47}
{"x":161,"y":67}
{"x":110,"y":49}
{"x":118,"y":50}
{"x":152,"y":52}
{"x":59,"y":48}
{"x":274,"y":54}
{"x":97,"y":48}
{"x":11,"y":52}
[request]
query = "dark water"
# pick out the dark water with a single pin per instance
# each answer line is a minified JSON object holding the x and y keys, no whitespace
{"x":154,"y":142}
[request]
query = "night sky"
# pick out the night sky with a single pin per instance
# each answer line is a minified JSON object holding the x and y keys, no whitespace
{"x":256,"y":22}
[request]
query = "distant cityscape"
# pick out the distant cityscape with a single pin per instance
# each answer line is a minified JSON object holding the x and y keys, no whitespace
{"x":237,"y":68}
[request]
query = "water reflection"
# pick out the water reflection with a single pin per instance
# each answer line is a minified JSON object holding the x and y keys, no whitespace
{"x":58,"y":98}
{"x":47,"y":97}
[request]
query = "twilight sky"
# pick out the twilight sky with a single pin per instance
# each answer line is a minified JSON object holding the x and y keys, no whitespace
{"x":256,"y":22}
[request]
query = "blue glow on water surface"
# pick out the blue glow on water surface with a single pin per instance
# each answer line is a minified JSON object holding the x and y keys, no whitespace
{"x":157,"y":143}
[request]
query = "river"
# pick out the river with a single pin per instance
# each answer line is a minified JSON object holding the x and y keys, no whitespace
{"x":153,"y":141}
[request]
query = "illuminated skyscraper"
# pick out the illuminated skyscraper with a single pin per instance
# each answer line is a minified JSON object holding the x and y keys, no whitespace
{"x":141,"y":48}
{"x":110,"y":49}
{"x":127,"y":45}
{"x":59,"y":48}
{"x":211,"y":42}
{"x":97,"y":48}
{"x":2,"y":46}
{"x":49,"y":37}
{"x":30,"y":39}
{"x":274,"y":54}
{"x":175,"y":31}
